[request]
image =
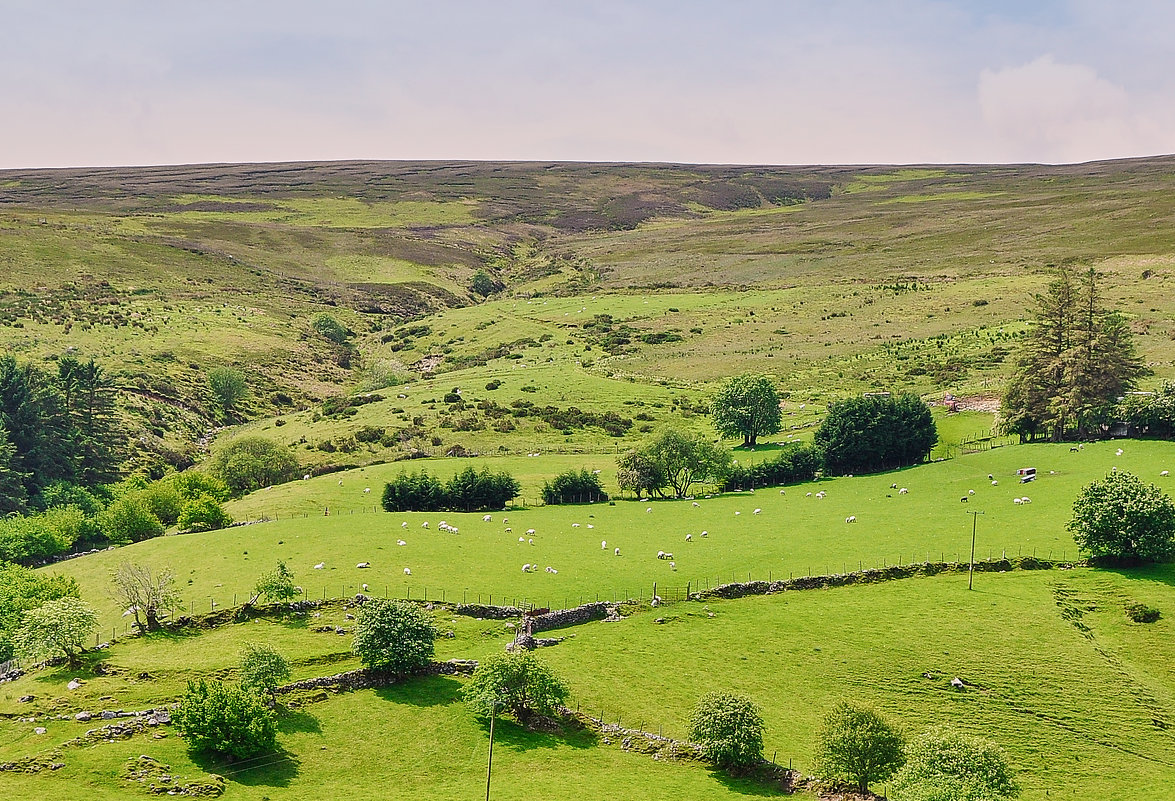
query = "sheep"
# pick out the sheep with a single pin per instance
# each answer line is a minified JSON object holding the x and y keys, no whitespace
{"x":1026,"y":500}
{"x":970,"y":492}
{"x":809,"y":495}
{"x":530,"y":531}
{"x":306,"y":477}
{"x":736,"y":514}
{"x":526,"y":568}
{"x":366,"y":490}
{"x":673,"y":565}
{"x":424,"y":524}
{"x":995,"y":483}
{"x":404,"y":524}
{"x":401,"y":542}
{"x":487,"y":518}
{"x":363,"y":565}
{"x":509,"y":531}
{"x":705,"y":533}
{"x":575,"y":525}
{"x":689,"y":537}
{"x":1017,"y":501}
{"x":783,"y":492}
{"x":320,"y":566}
{"x":340,"y":482}
{"x":522,"y":539}
{"x":660,"y":554}
{"x":903,"y":491}
{"x":757,"y":511}
{"x":1165,"y":473}
{"x":893,"y":486}
{"x":851,"y":519}
{"x":531,"y":540}
{"x":603,"y":545}
{"x":407,"y":571}
{"x":365,"y":588}
{"x":990,"y":477}
{"x":649,"y":509}
{"x":696,"y":503}
{"x":617,"y":552}
{"x":590,"y":525}
{"x":963,"y":499}
{"x":1119,"y":453}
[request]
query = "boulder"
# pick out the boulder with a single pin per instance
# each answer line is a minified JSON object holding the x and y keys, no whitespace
{"x":82,"y":716}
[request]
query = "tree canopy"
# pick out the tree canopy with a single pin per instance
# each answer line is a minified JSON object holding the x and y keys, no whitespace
{"x":1076,"y":361}
{"x":746,"y":406}
{"x":394,"y":635}
{"x":517,"y":682}
{"x":223,"y":719}
{"x":1122,"y":517}
{"x":729,"y":728}
{"x":59,"y":627}
{"x":674,"y":459}
{"x":875,"y":432}
{"x":250,"y":463}
{"x":858,"y":745}
{"x":944,"y":765}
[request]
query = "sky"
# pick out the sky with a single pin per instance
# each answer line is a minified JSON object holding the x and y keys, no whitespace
{"x":137,"y":82}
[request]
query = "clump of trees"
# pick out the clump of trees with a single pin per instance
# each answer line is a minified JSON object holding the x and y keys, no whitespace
{"x":672,"y":460}
{"x":467,"y":491}
{"x":1152,"y":412}
{"x":857,"y":745}
{"x":218,"y":718}
{"x":250,"y":463}
{"x":875,"y":432}
{"x":1123,"y":518}
{"x":394,"y":635}
{"x":746,"y":406}
{"x":1076,"y":361}
{"x":574,"y":486}
{"x":729,"y":728}
{"x":517,"y":682}
{"x":795,"y":462}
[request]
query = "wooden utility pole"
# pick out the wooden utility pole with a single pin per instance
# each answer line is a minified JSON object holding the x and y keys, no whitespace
{"x":971,"y":572}
{"x":490,"y":764}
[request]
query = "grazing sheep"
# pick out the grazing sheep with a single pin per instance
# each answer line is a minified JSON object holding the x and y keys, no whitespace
{"x":821,"y":494}
{"x":851,"y":519}
{"x":509,"y":531}
{"x":575,"y":525}
{"x":590,"y":525}
{"x":963,"y":499}
{"x":522,"y":539}
{"x":809,"y":495}
{"x":970,"y":492}
{"x":893,"y":486}
{"x":424,"y":524}
{"x":736,"y":514}
{"x":655,"y":602}
{"x":401,"y":542}
{"x":366,"y":490}
{"x":362,"y":565}
{"x":530,"y":531}
{"x":526,"y":568}
{"x":320,"y":566}
{"x":487,"y":518}
{"x":705,"y":533}
{"x":531,"y":540}
{"x":696,"y":503}
{"x":689,"y":537}
{"x":660,"y":554}
{"x":994,"y":483}
{"x":990,"y":477}
{"x":757,"y":511}
{"x":404,"y":524}
{"x":1017,"y":501}
{"x":306,"y":477}
{"x":340,"y":482}
{"x":1026,"y":500}
{"x":1119,"y":453}
{"x":903,"y":491}
{"x":603,"y":545}
{"x":649,"y":509}
{"x":365,"y":588}
{"x":1165,"y":473}
{"x":673,"y":565}
{"x":783,"y":492}
{"x":617,"y":552}
{"x":407,"y":572}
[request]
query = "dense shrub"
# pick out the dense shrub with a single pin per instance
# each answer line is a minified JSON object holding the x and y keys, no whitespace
{"x":263,"y":669}
{"x":1141,"y":613}
{"x":943,"y":765}
{"x":226,"y":720}
{"x":164,"y":502}
{"x":191,"y":484}
{"x":21,"y":590}
{"x":574,"y":486}
{"x":203,"y":513}
{"x":468,"y":491}
{"x":129,"y":519}
{"x":394,"y":635}
{"x":518,"y":682}
{"x":29,"y":539}
{"x":729,"y":728}
{"x":1121,"y":517}
{"x":795,"y":463}
{"x":414,"y":492}
{"x":856,"y":744}
{"x":875,"y":432}
{"x":250,"y":463}
{"x":64,"y":493}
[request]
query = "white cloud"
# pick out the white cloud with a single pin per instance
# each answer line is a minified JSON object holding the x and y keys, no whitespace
{"x":1048,"y":111}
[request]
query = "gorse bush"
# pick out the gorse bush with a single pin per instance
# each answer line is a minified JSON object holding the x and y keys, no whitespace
{"x":468,"y":491}
{"x":574,"y":486}
{"x":793,"y":464}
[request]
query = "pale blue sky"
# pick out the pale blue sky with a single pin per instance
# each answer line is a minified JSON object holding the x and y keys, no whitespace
{"x":741,"y":81}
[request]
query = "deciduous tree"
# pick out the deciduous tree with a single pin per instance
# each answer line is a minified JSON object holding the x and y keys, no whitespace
{"x":856,"y":744}
{"x":142,"y":592}
{"x":518,"y":682}
{"x":1122,"y":517}
{"x":729,"y":728}
{"x":56,"y":628}
{"x":746,"y":406}
{"x":394,"y":635}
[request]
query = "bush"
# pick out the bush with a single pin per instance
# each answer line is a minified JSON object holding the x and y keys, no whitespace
{"x":250,"y":463}
{"x":467,"y":491}
{"x":203,"y":513}
{"x":1121,"y":517}
{"x":263,"y":670}
{"x":329,"y":328}
{"x":63,"y":493}
{"x":574,"y":486}
{"x":163,"y":501}
{"x":276,"y":585}
{"x":393,"y":635}
{"x":517,"y":682}
{"x":729,"y":728}
{"x":1141,"y":613}
{"x":129,"y":519}
{"x":191,"y":484}
{"x":221,"y":719}
{"x":858,"y":745}
{"x":795,"y":463}
{"x":22,"y":590}
{"x":943,"y":765}
{"x":228,"y":387}
{"x":29,"y":539}
{"x":867,"y":434}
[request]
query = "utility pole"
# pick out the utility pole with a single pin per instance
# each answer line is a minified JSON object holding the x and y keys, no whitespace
{"x":970,"y":573}
{"x":490,"y":764}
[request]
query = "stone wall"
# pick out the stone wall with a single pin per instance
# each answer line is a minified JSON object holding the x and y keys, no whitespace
{"x":369,"y":678}
{"x":586,"y":613}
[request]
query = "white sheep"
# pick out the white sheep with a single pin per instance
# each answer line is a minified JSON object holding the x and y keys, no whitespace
{"x":1017,"y":501}
{"x":575,"y":525}
{"x":522,"y":539}
{"x":705,"y":533}
{"x":660,"y":554}
{"x":1119,"y":453}
{"x":320,"y":566}
{"x":590,"y":525}
{"x":1165,"y":473}
{"x":306,"y":477}
{"x":736,"y":514}
{"x":407,"y":571}
{"x":488,"y":518}
{"x":1026,"y":500}
{"x":366,"y":490}
{"x":821,"y":494}
{"x":903,"y":491}
{"x":673,"y":565}
{"x":365,"y":588}
{"x":696,"y":503}
{"x":424,"y":524}
{"x":509,"y":531}
{"x":531,"y":540}
{"x":401,"y":542}
{"x":603,"y":545}
{"x":970,"y":492}
{"x":526,"y":568}
{"x":404,"y":524}
{"x":851,"y":519}
{"x":649,"y":509}
{"x":689,"y":537}
{"x":783,"y":492}
{"x":617,"y":552}
{"x":363,"y":565}
{"x":809,"y":495}
{"x":530,"y":531}
{"x":340,"y":482}
{"x":994,"y":483}
{"x":757,"y":511}
{"x":990,"y":477}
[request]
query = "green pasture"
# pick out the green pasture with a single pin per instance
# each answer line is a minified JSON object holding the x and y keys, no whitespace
{"x":794,"y":533}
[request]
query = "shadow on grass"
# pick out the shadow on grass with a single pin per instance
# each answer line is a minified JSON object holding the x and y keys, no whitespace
{"x":745,"y":785}
{"x":516,"y":737}
{"x":275,"y":769}
{"x":297,"y":720}
{"x":424,"y":691}
{"x":1157,"y":573}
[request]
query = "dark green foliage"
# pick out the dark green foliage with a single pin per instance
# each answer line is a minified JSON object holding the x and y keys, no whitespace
{"x":250,"y":463}
{"x":346,"y":405}
{"x":89,"y":397}
{"x":191,"y":484}
{"x":1075,"y":363}
{"x":795,"y":462}
{"x":639,"y":472}
{"x":673,"y":459}
{"x":875,"y":432}
{"x":483,"y":284}
{"x":221,"y":719}
{"x":203,"y":513}
{"x":1121,"y":517}
{"x":746,"y":406}
{"x":574,"y":486}
{"x":329,"y":328}
{"x":857,"y":745}
{"x":517,"y":682}
{"x":22,"y":589}
{"x":729,"y":728}
{"x":34,"y":414}
{"x":393,"y":635}
{"x":943,"y":765}
{"x":414,"y":492}
{"x":1153,"y":412}
{"x":163,"y":501}
{"x":13,"y":495}
{"x":65,"y":493}
{"x":1141,"y":613}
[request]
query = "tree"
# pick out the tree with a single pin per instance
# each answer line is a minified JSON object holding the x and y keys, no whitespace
{"x":129,"y":519}
{"x":330,"y":328}
{"x":394,"y":635}
{"x":22,"y":589}
{"x":639,"y":472}
{"x":55,"y":628}
{"x":746,"y":406}
{"x":517,"y":682}
{"x":729,"y":728}
{"x":229,"y":389}
{"x":875,"y":432}
{"x":250,"y":463}
{"x":1076,"y":361}
{"x":33,"y":413}
{"x":263,"y":670}
{"x":203,"y":513}
{"x":685,"y":458}
{"x":474,"y":491}
{"x":574,"y":486}
{"x":144,"y":593}
{"x":276,"y":585}
{"x":483,"y":284}
{"x":1152,"y":412}
{"x":943,"y":765}
{"x":1122,"y":517}
{"x":13,"y":495}
{"x":89,"y":396}
{"x":858,"y":745}
{"x":226,"y":720}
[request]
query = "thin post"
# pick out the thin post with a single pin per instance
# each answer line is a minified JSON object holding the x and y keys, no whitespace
{"x":490,"y":762}
{"x":971,"y":571}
